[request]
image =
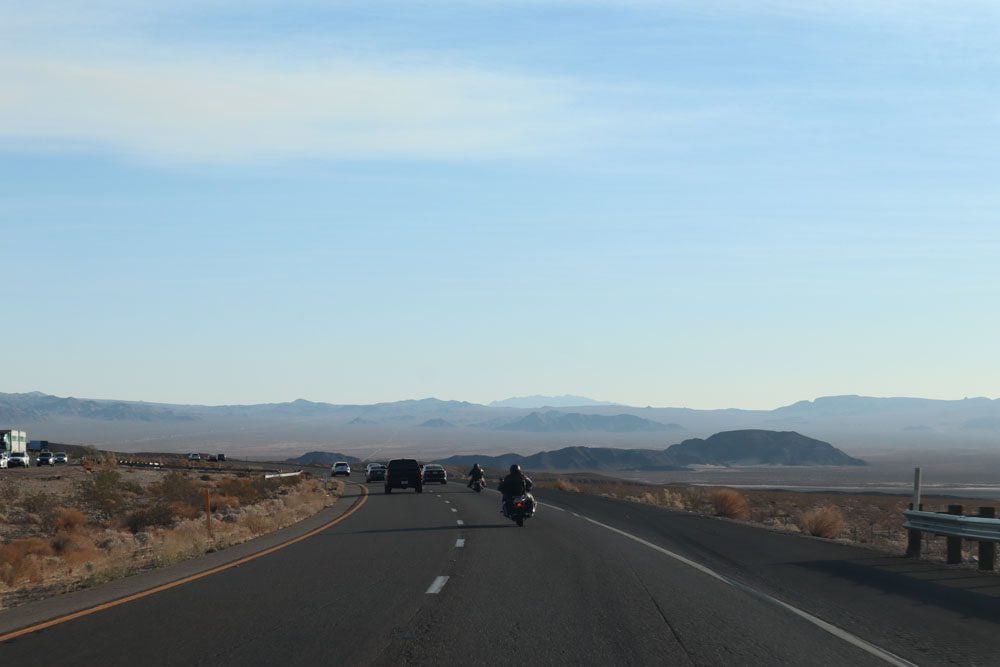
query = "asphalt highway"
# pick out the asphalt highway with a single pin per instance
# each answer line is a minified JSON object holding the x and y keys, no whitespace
{"x":443,"y":578}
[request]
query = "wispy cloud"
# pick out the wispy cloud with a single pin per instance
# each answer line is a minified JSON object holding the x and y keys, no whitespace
{"x":104,"y":80}
{"x":211,"y":109}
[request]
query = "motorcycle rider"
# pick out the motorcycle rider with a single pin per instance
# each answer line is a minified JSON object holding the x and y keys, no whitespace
{"x":476,"y":473}
{"x":513,"y":485}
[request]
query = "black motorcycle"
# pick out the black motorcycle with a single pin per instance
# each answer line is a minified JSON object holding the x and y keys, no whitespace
{"x":520,"y":508}
{"x":477,"y":485}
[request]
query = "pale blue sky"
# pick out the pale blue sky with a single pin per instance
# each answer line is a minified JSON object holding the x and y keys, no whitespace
{"x":708,"y":204}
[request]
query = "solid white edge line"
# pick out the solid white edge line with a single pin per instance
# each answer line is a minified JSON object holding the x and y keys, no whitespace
{"x":437,"y":585}
{"x":844,"y":635}
{"x":460,"y":542}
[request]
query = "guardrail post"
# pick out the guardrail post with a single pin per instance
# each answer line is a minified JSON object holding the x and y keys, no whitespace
{"x":987,"y":550}
{"x":914,"y":538}
{"x":955,"y":543}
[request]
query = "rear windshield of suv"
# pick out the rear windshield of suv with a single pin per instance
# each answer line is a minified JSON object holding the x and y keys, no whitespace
{"x":403,"y":464}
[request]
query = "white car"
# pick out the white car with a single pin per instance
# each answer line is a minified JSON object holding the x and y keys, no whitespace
{"x":340,"y":468}
{"x":3,"y":459}
{"x":19,"y":459}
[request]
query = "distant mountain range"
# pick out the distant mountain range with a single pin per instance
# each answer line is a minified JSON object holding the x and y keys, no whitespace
{"x":554,"y":421}
{"x":536,"y":402}
{"x":746,"y":447}
{"x":422,"y":425}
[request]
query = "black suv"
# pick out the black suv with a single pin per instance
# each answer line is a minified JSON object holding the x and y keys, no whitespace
{"x":403,"y":474}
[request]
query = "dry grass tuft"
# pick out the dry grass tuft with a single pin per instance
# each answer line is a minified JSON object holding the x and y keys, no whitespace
{"x":66,"y":520}
{"x":730,"y":503}
{"x":20,"y":560}
{"x":257,"y":524}
{"x":825,"y":522}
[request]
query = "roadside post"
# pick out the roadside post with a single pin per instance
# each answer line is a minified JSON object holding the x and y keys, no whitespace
{"x":987,"y":550}
{"x":913,"y":537}
{"x":954,"y":543}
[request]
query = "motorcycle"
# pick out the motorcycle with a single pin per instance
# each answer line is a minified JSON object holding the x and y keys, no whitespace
{"x":478,"y":484}
{"x":520,"y":508}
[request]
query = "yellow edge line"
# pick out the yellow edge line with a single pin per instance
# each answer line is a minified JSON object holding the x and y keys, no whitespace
{"x":163,"y":587}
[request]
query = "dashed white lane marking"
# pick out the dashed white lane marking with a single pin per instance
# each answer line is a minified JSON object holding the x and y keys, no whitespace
{"x":437,"y":585}
{"x":860,"y":643}
{"x":459,"y":543}
{"x":460,"y":522}
{"x":447,"y":502}
{"x":453,"y":509}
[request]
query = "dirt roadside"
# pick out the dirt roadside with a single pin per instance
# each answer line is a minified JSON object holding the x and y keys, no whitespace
{"x":65,"y":528}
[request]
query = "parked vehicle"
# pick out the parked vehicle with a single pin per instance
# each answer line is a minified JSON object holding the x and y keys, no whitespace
{"x":520,"y":508}
{"x":60,"y":457}
{"x":19,"y":459}
{"x":375,"y":472}
{"x":433,"y":472}
{"x":220,"y":457}
{"x":45,"y":459}
{"x":213,"y":457}
{"x":340,"y":468}
{"x":403,"y":474}
{"x":194,"y":457}
{"x":3,"y":459}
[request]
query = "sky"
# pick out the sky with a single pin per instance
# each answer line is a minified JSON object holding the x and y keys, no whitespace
{"x":710,"y":204}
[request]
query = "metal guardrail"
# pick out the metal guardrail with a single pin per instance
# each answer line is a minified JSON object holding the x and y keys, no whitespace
{"x":283,"y":474}
{"x":976,"y":528}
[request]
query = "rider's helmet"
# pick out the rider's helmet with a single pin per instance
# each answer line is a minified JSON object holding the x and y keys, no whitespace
{"x":515,"y":469}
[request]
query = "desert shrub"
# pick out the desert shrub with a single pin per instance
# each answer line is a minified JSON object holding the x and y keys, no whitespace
{"x":19,"y":560}
{"x":181,"y":492}
{"x":823,"y":522}
{"x":105,"y":491}
{"x":565,"y":485}
{"x":76,"y":550}
{"x":730,"y":503}
{"x":185,"y":510}
{"x":157,"y":514}
{"x":217,"y":502}
{"x":65,"y":519}
{"x":257,"y":524}
{"x":252,"y":490}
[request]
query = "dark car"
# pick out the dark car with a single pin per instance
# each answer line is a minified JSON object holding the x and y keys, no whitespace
{"x":45,"y":459}
{"x":403,"y":474}
{"x":435,"y":473}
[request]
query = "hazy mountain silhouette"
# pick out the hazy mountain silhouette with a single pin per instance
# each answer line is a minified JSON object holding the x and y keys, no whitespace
{"x":437,"y":423}
{"x":535,"y":402}
{"x":758,"y":447}
{"x":747,"y":447}
{"x":323,"y":458}
{"x":572,"y":458}
{"x":860,"y":422}
{"x":555,"y":421}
